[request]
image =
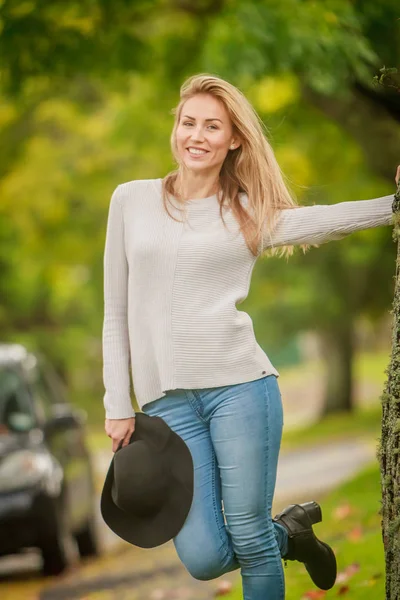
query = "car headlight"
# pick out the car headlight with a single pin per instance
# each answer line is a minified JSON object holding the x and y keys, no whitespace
{"x":26,"y":469}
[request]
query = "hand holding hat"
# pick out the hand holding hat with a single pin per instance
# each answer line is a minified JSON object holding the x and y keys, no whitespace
{"x":120,"y":430}
{"x":148,"y":489}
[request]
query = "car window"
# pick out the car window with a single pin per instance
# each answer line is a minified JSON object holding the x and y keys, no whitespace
{"x":16,"y":411}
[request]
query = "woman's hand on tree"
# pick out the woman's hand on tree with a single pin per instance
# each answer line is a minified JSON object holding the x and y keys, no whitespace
{"x":119,"y":429}
{"x":397,"y":176}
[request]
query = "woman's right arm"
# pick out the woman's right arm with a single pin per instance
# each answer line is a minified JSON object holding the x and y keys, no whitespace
{"x":120,"y":421}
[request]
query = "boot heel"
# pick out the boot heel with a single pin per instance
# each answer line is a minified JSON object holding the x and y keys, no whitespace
{"x":313,"y":510}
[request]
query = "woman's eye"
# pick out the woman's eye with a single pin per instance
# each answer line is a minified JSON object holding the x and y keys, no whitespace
{"x":189,"y":123}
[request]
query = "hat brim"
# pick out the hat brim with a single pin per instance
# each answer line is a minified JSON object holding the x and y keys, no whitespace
{"x":154,"y":530}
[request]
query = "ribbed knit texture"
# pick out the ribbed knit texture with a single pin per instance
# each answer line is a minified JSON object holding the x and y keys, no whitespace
{"x":171,"y":289}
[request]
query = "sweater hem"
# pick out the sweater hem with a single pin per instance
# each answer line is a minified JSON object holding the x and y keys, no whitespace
{"x":259,"y":374}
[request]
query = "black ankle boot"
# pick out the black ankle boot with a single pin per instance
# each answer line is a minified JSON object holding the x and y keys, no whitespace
{"x":318,"y":558}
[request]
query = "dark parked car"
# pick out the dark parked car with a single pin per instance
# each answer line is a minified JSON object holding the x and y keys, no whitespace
{"x":47,"y":492}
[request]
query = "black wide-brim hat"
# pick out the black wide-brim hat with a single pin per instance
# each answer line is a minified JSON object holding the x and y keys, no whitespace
{"x":148,"y":489}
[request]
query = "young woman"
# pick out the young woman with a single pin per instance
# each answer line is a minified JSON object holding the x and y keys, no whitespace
{"x":171,"y":286}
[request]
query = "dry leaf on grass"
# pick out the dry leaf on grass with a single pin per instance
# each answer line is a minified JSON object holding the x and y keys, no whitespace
{"x":224,"y":587}
{"x":348,"y":572}
{"x":314,"y":595}
{"x":355,"y":534}
{"x":343,"y":590}
{"x":342,"y":511}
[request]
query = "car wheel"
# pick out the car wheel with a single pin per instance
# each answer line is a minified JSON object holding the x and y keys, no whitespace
{"x":57,"y":546}
{"x":87,"y":539}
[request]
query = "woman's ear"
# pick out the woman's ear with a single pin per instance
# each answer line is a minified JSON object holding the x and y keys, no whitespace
{"x":235,"y":144}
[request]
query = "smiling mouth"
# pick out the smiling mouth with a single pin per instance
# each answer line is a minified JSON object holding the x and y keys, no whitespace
{"x":197,"y":153}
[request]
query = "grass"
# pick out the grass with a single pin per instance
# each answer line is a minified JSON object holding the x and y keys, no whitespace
{"x":371,"y":366}
{"x":352,"y":526}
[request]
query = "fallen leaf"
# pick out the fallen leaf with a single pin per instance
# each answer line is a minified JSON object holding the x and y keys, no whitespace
{"x":314,"y":595}
{"x":355,"y":534}
{"x":352,"y":569}
{"x":348,"y":572}
{"x":343,"y":590}
{"x":342,"y":511}
{"x":223,"y":587}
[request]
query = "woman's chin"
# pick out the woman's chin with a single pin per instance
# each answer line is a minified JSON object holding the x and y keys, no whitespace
{"x":192,"y":165}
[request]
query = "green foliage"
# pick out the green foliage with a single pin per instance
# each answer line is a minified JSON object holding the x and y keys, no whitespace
{"x":323,"y":42}
{"x":53,"y":41}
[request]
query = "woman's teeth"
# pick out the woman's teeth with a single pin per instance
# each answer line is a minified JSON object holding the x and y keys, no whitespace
{"x":193,"y":151}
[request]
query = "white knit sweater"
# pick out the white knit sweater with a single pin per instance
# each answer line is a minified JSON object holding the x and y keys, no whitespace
{"x":171,"y":289}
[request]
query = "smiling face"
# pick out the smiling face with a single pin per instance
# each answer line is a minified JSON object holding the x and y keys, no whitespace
{"x":204,"y":124}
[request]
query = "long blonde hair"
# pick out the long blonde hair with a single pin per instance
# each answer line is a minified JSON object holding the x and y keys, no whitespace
{"x":251,"y":168}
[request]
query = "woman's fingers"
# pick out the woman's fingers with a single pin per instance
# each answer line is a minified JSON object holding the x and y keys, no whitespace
{"x":115,"y":444}
{"x":397,"y":178}
{"x":125,"y":441}
{"x":120,"y":431}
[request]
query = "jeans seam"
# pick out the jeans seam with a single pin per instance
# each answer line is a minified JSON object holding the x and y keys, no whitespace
{"x":199,"y":402}
{"x":268,"y":397}
{"x":225,"y":545}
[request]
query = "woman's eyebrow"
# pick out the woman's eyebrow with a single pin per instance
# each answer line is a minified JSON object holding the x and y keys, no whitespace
{"x":212,"y":119}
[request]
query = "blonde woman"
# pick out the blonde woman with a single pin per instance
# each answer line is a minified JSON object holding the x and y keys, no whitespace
{"x":179,"y":255}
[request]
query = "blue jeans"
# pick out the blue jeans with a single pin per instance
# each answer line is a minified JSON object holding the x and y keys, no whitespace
{"x":234,"y":435}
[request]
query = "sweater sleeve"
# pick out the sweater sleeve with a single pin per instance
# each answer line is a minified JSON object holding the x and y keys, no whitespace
{"x":322,"y":223}
{"x":116,"y":353}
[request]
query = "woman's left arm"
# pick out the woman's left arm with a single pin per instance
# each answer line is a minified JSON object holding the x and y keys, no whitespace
{"x":322,"y":223}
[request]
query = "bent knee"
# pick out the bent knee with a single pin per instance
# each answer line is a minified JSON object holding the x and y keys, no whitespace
{"x":201,"y":565}
{"x":203,"y":570}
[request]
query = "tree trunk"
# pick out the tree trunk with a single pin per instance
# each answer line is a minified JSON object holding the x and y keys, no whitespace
{"x":338,"y":352}
{"x":388,"y":450}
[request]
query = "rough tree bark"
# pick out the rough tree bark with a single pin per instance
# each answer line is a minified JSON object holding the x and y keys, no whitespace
{"x":389,"y":443}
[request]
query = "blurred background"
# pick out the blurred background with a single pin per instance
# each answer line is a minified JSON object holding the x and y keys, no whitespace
{"x":86,"y":95}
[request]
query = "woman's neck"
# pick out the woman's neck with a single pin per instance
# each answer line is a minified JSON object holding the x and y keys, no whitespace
{"x":197,"y":190}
